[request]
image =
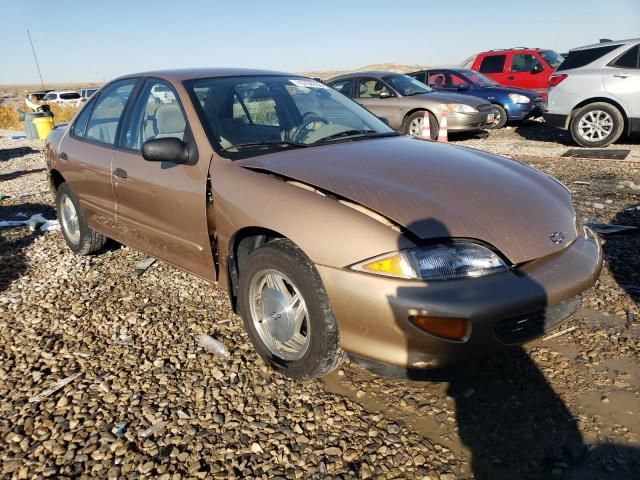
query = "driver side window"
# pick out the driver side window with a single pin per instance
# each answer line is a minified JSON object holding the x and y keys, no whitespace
{"x":372,"y":88}
{"x":157,"y":115}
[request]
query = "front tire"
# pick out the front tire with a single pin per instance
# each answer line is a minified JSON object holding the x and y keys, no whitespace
{"x":286,"y":311}
{"x":597,"y":125}
{"x":79,"y":237}
{"x":412,"y":125}
{"x":501,"y":118}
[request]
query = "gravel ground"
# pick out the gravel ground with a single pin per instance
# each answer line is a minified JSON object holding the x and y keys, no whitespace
{"x":144,"y":400}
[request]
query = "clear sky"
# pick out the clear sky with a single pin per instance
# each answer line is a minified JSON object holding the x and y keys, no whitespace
{"x":95,"y":40}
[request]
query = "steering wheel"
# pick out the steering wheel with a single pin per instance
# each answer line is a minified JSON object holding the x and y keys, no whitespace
{"x":307,"y":119}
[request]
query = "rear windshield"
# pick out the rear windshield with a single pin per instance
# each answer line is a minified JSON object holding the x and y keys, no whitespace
{"x":69,"y":96}
{"x":581,"y":58}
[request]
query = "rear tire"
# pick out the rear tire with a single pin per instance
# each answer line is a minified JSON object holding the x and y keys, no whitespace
{"x":501,"y":119}
{"x":411,"y":123}
{"x":597,"y":125}
{"x":79,"y":237}
{"x":277,"y":281}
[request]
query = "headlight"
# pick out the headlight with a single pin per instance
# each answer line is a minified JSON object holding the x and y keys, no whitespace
{"x":517,"y":98}
{"x":460,"y":108}
{"x":436,"y":262}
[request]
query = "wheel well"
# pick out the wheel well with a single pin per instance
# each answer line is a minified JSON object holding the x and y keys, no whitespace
{"x":415,"y":110}
{"x":603,"y":100}
{"x":242,"y":243}
{"x":56,"y":179}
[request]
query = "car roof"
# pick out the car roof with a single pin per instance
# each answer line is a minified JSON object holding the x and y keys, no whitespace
{"x":368,"y":73}
{"x":195,"y":73}
{"x":606,"y":44}
{"x":63,"y":91}
{"x":513,"y":49}
{"x":451,"y":69}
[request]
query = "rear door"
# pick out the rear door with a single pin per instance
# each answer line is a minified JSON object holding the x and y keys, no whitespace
{"x":526,"y":70}
{"x":493,"y":65}
{"x":86,"y":154}
{"x":162,"y":204}
{"x":621,"y":79}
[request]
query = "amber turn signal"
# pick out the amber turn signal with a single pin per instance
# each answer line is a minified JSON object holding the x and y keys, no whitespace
{"x":449,"y":328}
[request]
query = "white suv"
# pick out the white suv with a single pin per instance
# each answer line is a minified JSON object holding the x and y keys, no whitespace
{"x":595,"y":93}
{"x":62,"y":97}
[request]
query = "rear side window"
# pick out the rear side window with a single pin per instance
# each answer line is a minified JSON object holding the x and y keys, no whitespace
{"x":523,"y":62}
{"x":343,"y":86}
{"x":81,"y":122}
{"x":69,"y":96}
{"x":581,"y":58}
{"x":493,"y":64}
{"x":103,"y":123}
{"x":629,"y":59}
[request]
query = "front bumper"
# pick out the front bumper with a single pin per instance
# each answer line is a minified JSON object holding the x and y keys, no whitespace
{"x":522,"y":111}
{"x":464,"y":122}
{"x":372,"y":311}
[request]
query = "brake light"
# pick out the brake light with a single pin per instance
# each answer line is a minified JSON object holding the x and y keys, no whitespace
{"x":556,"y":78}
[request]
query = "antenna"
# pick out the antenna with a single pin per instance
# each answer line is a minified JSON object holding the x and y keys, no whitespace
{"x":36,"y":59}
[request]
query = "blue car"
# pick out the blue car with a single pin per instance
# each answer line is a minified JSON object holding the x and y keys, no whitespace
{"x":511,"y":103}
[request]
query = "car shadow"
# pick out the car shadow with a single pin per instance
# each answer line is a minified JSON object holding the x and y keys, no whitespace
{"x":540,"y":132}
{"x":508,"y":416}
{"x":11,"y":153}
{"x":621,"y":252}
{"x":13,"y":240}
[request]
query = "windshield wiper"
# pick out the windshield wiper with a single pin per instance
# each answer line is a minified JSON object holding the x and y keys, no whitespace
{"x":349,"y":133}
{"x":267,"y":144}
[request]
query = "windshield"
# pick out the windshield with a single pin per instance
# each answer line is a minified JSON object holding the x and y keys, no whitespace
{"x":552,"y":58}
{"x":258,"y":114}
{"x":479,"y":79}
{"x":406,"y":86}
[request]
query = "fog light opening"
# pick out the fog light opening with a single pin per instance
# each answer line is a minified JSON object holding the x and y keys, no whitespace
{"x":448,"y":328}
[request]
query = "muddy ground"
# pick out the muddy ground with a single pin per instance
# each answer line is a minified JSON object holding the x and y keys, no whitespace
{"x":149,"y":402}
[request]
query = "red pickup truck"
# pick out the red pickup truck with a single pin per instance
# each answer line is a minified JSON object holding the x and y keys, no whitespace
{"x":522,"y":67}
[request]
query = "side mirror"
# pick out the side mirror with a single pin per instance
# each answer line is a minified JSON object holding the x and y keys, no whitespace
{"x":165,"y":150}
{"x":537,"y":68}
{"x":384,"y":94}
{"x":384,"y":120}
{"x":463,"y":87}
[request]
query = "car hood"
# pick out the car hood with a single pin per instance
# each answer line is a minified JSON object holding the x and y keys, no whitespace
{"x":451,"y":98}
{"x":436,"y":190}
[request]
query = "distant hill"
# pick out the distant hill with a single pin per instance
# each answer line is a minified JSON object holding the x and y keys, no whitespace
{"x":391,"y":67}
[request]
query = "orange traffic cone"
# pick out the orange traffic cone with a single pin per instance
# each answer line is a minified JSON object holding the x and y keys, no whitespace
{"x":442,"y":133}
{"x":426,"y":128}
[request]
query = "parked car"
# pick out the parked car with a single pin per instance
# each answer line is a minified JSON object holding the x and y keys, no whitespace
{"x":36,"y":96}
{"x":595,"y":93}
{"x":62,"y":97}
{"x":162,"y":94}
{"x":403,"y":100}
{"x":510,"y":103}
{"x":330,"y":231}
{"x":522,"y":67}
{"x":85,"y":93}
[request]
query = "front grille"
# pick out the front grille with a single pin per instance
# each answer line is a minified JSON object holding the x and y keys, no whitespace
{"x":525,"y":327}
{"x":520,"y":329}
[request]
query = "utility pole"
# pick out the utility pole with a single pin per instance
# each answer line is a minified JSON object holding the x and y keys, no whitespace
{"x":35,"y":58}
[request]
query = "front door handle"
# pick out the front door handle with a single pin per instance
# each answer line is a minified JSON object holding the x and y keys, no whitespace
{"x":622,"y":75}
{"x":63,"y":156}
{"x":120,"y":173}
{"x":511,"y":78}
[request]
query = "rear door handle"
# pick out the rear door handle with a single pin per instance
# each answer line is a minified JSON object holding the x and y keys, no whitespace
{"x":120,"y":173}
{"x":621,"y":75}
{"x":63,"y":156}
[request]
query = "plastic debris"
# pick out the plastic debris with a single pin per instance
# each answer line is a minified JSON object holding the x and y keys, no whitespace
{"x":3,"y":196}
{"x":580,"y":182}
{"x":155,"y":428}
{"x":558,"y":334}
{"x":50,"y":225}
{"x":144,"y":264}
{"x":608,"y":229}
{"x":33,"y":222}
{"x":118,"y":430}
{"x":61,"y":384}
{"x":212,"y":345}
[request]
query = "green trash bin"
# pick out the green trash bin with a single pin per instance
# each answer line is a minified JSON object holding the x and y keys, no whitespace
{"x":27,"y":122}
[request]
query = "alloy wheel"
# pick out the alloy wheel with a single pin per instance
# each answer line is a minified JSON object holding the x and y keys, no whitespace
{"x":595,"y":125}
{"x":70,"y":221}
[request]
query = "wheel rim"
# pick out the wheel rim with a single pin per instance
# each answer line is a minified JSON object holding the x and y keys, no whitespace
{"x":497,"y":118}
{"x":595,"y":125}
{"x":415,"y":127}
{"x":70,"y":221}
{"x":279,"y":314}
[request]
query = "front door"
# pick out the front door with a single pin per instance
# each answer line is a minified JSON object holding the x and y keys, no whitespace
{"x":162,"y":204}
{"x":379,"y":99}
{"x":527,"y":71}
